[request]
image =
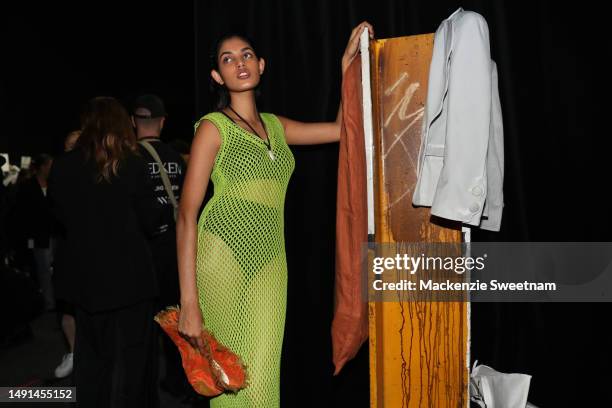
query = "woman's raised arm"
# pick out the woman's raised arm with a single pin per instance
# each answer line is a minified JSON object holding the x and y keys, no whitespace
{"x":302,"y":133}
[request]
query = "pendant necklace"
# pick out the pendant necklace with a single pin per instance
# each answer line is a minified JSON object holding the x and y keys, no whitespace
{"x":267,"y":141}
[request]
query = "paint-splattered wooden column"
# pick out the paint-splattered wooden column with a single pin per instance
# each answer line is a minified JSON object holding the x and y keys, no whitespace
{"x":418,"y":350}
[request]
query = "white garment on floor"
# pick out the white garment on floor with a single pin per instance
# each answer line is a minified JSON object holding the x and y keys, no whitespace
{"x":492,"y":389}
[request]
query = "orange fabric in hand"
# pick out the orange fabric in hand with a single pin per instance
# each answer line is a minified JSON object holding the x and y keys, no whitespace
{"x":216,"y":371}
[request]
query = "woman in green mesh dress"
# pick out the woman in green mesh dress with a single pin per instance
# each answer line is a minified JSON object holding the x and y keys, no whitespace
{"x":232,"y":266}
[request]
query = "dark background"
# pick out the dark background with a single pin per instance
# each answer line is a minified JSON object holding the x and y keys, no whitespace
{"x":553,"y":88}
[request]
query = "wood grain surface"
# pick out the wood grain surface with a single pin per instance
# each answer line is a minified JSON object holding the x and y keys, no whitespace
{"x":418,"y":349}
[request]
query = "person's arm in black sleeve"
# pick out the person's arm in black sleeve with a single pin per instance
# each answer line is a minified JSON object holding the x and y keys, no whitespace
{"x":53,"y":190}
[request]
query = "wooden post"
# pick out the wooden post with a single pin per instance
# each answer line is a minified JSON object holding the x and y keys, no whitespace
{"x":418,"y":350}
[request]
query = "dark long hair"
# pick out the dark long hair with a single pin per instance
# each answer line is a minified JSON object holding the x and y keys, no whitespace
{"x":223,"y":98}
{"x":107,"y":136}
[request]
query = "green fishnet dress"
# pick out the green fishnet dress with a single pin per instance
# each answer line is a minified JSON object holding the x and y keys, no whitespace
{"x":241,"y":263}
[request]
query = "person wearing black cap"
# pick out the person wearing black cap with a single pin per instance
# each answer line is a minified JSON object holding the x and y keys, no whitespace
{"x":166,"y":169}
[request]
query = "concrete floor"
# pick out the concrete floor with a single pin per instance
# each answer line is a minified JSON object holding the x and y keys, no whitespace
{"x":33,"y":362}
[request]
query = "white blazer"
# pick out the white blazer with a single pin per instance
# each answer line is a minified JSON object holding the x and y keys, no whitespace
{"x":461,"y":159}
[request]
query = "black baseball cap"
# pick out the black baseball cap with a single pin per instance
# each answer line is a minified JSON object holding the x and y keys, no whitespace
{"x":150,"y":102}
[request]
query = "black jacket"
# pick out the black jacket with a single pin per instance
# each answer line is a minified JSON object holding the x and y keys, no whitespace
{"x":33,"y":214}
{"x":175,"y":169}
{"x":104,"y":258}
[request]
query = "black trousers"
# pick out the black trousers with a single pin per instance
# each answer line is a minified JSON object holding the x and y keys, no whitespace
{"x":115,"y":359}
{"x":166,"y":265}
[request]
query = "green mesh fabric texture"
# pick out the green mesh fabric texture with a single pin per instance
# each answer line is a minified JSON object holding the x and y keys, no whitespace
{"x":241,"y":262}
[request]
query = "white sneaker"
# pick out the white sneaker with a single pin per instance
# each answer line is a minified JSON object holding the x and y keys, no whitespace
{"x":65,"y":368}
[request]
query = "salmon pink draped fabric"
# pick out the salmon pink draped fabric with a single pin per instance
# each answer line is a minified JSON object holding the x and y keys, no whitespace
{"x":350,"y":324}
